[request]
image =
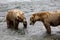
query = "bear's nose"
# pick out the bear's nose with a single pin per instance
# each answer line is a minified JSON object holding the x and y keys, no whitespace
{"x":31,"y":24}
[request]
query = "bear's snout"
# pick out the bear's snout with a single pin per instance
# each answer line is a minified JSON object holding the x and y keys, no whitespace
{"x":25,"y":24}
{"x":31,"y":23}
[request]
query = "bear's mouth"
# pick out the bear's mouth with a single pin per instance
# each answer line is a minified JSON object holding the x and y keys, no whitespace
{"x":31,"y":23}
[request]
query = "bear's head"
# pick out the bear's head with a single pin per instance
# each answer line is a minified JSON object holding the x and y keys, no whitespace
{"x":40,"y":16}
{"x":21,"y":18}
{"x":34,"y":18}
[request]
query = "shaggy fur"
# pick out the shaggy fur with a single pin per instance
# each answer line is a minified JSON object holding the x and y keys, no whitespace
{"x":13,"y":18}
{"x":48,"y":19}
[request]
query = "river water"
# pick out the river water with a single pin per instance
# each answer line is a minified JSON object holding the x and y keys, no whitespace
{"x":36,"y":32}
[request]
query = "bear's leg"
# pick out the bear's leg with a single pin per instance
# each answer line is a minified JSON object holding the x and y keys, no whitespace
{"x":47,"y":26}
{"x":8,"y":24}
{"x":16,"y":25}
{"x":25,"y":24}
{"x":11,"y":22}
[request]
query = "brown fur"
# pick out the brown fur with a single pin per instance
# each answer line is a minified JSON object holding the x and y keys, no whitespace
{"x":13,"y":18}
{"x":48,"y":19}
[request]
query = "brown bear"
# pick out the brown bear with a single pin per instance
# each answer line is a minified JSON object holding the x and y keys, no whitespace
{"x":13,"y":18}
{"x":48,"y":19}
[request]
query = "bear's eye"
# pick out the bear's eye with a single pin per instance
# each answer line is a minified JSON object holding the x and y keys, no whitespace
{"x":32,"y":19}
{"x":19,"y":17}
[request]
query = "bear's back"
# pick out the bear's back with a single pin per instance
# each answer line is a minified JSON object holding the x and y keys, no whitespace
{"x":12,"y":14}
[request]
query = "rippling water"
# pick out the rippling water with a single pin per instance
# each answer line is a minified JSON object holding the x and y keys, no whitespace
{"x":36,"y":32}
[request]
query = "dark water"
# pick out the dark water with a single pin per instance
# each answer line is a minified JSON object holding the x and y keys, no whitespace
{"x":36,"y":32}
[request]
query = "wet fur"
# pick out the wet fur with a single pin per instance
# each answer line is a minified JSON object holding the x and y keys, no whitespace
{"x":48,"y":19}
{"x":13,"y":18}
